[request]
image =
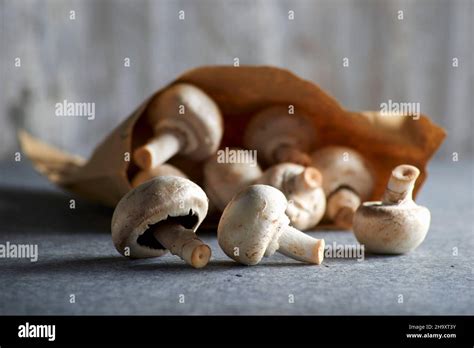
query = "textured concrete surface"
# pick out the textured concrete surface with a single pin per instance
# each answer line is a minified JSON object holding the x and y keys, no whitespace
{"x":76,"y":256}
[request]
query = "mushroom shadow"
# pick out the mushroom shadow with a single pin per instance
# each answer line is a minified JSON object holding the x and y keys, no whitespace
{"x":120,"y":263}
{"x":213,"y":265}
{"x":29,"y":210}
{"x":114,"y":263}
{"x":61,"y":265}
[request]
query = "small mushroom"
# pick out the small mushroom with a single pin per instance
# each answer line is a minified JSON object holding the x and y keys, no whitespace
{"x":223,"y":180}
{"x":281,"y":137}
{"x":302,"y":187}
{"x":186,"y":121}
{"x":162,"y":170}
{"x":254,"y":224}
{"x":348,"y":180}
{"x":159,"y":215}
{"x":396,"y":225}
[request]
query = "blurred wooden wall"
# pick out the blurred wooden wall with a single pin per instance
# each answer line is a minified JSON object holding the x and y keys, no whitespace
{"x":83,"y":59}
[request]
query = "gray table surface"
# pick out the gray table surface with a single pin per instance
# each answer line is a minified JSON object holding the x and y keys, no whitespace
{"x":76,"y":256}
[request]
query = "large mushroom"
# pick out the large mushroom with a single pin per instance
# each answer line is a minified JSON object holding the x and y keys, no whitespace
{"x":348,"y":181}
{"x":254,"y":224}
{"x":159,"y":215}
{"x":279,"y":136}
{"x":395,"y":225}
{"x":302,"y":187}
{"x":222,"y":180}
{"x":162,"y":170}
{"x":186,"y":121}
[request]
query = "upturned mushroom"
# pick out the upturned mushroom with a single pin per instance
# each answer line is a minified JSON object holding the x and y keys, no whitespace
{"x":396,"y":225}
{"x":302,"y":187}
{"x":159,"y":215}
{"x":222,"y":180}
{"x":254,"y":225}
{"x":281,"y":137}
{"x":186,"y":121}
{"x":162,"y":170}
{"x":348,"y":181}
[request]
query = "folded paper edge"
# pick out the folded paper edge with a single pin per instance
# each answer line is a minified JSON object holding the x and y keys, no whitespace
{"x":48,"y":160}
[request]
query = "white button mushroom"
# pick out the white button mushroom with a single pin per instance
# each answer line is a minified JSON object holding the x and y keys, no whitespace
{"x":223,"y":180}
{"x":162,"y":170}
{"x":348,"y":180}
{"x":254,"y":225}
{"x":302,"y":187}
{"x":186,"y":121}
{"x":159,"y":215}
{"x":397,"y":224}
{"x":281,"y":137}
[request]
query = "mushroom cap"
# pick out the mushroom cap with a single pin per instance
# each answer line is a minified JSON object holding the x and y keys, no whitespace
{"x":305,"y":208}
{"x":252,"y":222}
{"x":274,"y":127}
{"x":222,"y":181}
{"x":200,"y":128}
{"x":162,"y":170}
{"x":391,"y":229}
{"x":153,"y":201}
{"x":355,"y":172}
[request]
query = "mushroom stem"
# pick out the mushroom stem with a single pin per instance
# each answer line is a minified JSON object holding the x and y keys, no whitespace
{"x":184,"y":243}
{"x":289,"y":153}
{"x":309,"y":179}
{"x":342,"y":205}
{"x":157,"y":151}
{"x":400,"y":185}
{"x":299,"y":246}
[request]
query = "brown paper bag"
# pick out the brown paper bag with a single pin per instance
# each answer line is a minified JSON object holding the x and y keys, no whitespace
{"x":240,"y":92}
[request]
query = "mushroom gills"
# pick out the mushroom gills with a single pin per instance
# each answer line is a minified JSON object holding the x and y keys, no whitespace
{"x":148,"y":239}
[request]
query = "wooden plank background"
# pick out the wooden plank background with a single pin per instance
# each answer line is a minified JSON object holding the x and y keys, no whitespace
{"x":83,"y":59}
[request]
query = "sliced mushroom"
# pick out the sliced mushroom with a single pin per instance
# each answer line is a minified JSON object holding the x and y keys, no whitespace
{"x":159,"y":215}
{"x":348,"y":180}
{"x":302,"y":188}
{"x":254,"y":224}
{"x":396,"y":225}
{"x":281,"y":137}
{"x":222,"y":180}
{"x":162,"y":170}
{"x":186,"y":121}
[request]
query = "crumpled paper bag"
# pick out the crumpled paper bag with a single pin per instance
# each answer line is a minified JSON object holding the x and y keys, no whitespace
{"x":386,"y":141}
